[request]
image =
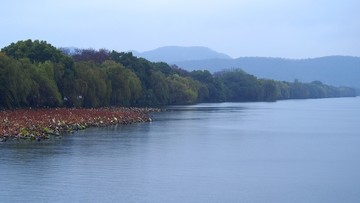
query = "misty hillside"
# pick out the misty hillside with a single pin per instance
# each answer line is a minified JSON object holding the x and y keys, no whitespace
{"x":170,"y":54}
{"x":334,"y":70}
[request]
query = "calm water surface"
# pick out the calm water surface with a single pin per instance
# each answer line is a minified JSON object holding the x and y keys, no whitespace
{"x":288,"y":151}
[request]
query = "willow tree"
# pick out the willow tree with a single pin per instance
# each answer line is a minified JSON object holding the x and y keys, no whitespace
{"x":125,"y":85}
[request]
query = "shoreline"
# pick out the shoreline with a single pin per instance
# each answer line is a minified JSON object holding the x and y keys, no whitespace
{"x":40,"y":124}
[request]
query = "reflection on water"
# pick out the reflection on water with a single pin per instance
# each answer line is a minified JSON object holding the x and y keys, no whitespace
{"x":288,"y":151}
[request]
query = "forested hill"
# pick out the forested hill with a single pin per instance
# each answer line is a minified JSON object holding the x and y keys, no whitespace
{"x":37,"y":74}
{"x":171,"y":54}
{"x":334,"y":70}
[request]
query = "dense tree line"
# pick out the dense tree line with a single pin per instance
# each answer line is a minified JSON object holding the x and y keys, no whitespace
{"x":36,"y":74}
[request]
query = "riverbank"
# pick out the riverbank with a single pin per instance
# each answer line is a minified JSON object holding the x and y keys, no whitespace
{"x":38,"y":124}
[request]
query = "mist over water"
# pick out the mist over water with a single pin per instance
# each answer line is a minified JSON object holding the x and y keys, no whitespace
{"x":286,"y":151}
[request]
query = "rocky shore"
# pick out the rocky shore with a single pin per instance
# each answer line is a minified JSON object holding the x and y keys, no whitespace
{"x":38,"y":124}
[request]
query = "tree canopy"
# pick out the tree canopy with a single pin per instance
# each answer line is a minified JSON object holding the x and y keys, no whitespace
{"x":36,"y":74}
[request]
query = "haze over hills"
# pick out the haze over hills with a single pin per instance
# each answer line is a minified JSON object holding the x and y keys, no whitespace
{"x":333,"y":70}
{"x":171,"y":54}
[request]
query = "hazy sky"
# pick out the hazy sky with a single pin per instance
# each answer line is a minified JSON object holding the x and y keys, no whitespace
{"x":278,"y":28}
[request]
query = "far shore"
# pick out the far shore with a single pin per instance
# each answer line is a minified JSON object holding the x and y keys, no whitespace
{"x":39,"y":124}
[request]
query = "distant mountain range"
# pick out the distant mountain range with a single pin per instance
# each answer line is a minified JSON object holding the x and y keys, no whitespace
{"x":333,"y":70}
{"x":171,"y":54}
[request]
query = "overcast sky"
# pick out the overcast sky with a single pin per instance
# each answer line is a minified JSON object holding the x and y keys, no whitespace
{"x":276,"y":28}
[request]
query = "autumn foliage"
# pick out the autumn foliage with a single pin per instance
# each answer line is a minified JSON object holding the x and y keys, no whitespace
{"x":37,"y":124}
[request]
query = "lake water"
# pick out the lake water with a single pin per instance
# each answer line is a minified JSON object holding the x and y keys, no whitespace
{"x":287,"y":151}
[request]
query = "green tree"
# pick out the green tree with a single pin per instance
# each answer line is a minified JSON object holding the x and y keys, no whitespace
{"x":211,"y":88}
{"x":180,"y":90}
{"x":15,"y":84}
{"x":240,"y":86}
{"x":91,"y":80}
{"x":298,"y":90}
{"x":159,"y":92}
{"x":270,"y":90}
{"x":45,"y":91}
{"x":283,"y":90}
{"x":125,"y":85}
{"x":37,"y":51}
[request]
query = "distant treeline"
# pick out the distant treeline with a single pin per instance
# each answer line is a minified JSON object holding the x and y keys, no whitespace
{"x":36,"y":74}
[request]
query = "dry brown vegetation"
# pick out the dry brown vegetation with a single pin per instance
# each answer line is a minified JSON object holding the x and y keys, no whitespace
{"x":37,"y":124}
